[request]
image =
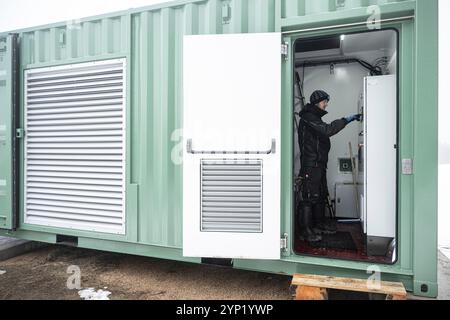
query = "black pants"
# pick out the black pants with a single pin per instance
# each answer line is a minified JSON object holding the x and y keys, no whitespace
{"x":311,"y":195}
{"x":314,"y":187}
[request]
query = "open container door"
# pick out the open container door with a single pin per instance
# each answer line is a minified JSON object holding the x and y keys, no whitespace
{"x":232,"y":130}
{"x":8,"y":139}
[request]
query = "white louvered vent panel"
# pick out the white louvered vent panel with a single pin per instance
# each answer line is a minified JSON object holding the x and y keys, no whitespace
{"x":231,"y":196}
{"x":75,"y":146}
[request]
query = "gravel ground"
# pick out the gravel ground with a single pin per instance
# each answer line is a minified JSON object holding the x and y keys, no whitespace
{"x":42,"y":274}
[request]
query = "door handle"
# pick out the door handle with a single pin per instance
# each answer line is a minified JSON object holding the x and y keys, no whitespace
{"x":190,"y":150}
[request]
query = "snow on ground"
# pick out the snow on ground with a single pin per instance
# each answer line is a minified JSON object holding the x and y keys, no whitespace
{"x":2,"y":272}
{"x":445,"y":252}
{"x":91,"y":294}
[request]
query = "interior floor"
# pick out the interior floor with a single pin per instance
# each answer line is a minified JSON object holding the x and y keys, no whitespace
{"x":357,"y":253}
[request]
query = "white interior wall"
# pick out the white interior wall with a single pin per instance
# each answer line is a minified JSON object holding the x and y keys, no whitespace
{"x":393,"y":61}
{"x":345,"y":87}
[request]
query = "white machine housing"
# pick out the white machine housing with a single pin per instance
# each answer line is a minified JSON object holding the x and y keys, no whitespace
{"x":379,"y":197}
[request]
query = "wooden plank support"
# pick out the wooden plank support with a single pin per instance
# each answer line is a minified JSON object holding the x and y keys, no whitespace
{"x":313,"y":287}
{"x":310,"y":293}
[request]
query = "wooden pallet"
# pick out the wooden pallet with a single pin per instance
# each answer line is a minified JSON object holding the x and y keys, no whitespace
{"x":312,"y":287}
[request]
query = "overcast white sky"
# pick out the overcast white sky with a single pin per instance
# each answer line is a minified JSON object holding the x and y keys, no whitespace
{"x":19,"y":14}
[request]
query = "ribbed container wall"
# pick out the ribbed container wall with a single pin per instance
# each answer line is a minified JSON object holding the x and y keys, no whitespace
{"x":294,"y":8}
{"x":75,"y":40}
{"x":157,"y":104}
{"x":152,"y":39}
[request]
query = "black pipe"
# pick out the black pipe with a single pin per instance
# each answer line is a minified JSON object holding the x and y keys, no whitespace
{"x":373,"y":70}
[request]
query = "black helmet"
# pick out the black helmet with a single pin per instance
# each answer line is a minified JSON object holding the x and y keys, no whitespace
{"x":319,"y":96}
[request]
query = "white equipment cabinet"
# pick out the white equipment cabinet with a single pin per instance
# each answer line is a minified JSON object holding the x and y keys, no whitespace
{"x":346,"y":207}
{"x":380,"y":157}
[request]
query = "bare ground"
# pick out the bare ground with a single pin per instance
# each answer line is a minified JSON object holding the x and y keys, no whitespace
{"x":42,"y":274}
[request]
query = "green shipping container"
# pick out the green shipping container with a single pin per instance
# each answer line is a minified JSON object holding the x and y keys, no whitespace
{"x":100,"y":142}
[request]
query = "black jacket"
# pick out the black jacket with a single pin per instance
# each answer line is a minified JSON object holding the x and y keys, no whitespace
{"x":314,"y":136}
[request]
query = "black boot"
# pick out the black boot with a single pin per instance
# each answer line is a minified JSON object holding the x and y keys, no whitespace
{"x":305,"y":226}
{"x":322,"y":225}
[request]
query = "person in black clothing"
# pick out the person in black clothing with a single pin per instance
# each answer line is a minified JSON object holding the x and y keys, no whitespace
{"x":314,"y":138}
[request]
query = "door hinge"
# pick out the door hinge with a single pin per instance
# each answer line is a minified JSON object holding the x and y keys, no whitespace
{"x":284,"y":242}
{"x":20,"y":133}
{"x":285,"y":50}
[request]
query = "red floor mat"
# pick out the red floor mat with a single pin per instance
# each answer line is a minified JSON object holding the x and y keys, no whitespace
{"x":303,"y":248}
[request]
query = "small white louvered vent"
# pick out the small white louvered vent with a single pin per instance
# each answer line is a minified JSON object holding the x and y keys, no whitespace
{"x":231,"y":196}
{"x":75,"y":146}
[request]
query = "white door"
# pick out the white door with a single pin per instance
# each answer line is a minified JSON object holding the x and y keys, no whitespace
{"x":232,"y":129}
